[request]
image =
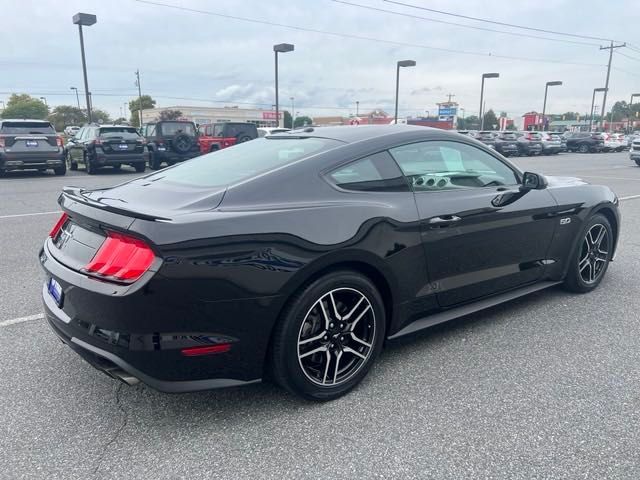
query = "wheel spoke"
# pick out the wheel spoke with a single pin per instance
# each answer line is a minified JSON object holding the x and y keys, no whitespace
{"x":355,"y":322}
{"x":592,"y":272}
{"x":584,"y":263}
{"x":327,"y":320}
{"x":348,"y":315}
{"x":359,"y":340}
{"x":326,"y":369}
{"x":312,"y":339}
{"x":335,"y":308}
{"x":335,"y":372}
{"x":315,"y":350}
{"x":357,"y":354}
{"x":600,"y":236}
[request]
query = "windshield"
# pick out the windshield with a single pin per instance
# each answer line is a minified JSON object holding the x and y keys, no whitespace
{"x":243,"y":161}
{"x":174,"y":128}
{"x":127,"y":132}
{"x":28,"y":128}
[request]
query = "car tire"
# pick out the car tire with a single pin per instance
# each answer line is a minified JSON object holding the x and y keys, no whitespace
{"x":154,"y":163}
{"x":73,"y":166}
{"x":243,"y":139}
{"x":61,"y":170}
{"x":637,"y":162}
{"x":117,"y":166}
{"x":91,"y":167}
{"x":140,"y":167}
{"x":591,"y":255}
{"x":584,"y":148}
{"x":355,"y":329}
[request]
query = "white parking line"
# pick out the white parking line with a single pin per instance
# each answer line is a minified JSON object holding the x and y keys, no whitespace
{"x":28,"y":214}
{"x":629,"y":197}
{"x":13,"y":321}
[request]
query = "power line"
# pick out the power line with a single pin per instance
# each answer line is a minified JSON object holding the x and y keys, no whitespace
{"x":368,"y":7}
{"x":362,"y":37}
{"x":628,"y":56}
{"x":504,"y":24}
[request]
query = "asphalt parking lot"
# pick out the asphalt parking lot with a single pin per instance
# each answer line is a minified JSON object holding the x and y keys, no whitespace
{"x":546,"y":386}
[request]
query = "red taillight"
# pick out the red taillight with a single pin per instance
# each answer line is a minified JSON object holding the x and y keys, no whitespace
{"x":58,"y":226}
{"x":121,"y":258}
{"x":59,"y":141}
{"x":206,"y":350}
{"x":2,"y":142}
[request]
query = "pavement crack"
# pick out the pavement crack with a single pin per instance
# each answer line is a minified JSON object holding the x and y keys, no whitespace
{"x":125,"y":419}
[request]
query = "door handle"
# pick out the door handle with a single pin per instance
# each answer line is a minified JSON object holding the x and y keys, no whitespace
{"x":443,"y":221}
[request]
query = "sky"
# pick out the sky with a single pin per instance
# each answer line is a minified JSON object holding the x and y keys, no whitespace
{"x":206,"y":57}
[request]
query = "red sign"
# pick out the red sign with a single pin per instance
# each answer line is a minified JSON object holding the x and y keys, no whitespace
{"x":271,"y":115}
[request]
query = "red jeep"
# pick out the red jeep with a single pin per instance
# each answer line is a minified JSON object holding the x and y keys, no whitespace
{"x":216,"y":136}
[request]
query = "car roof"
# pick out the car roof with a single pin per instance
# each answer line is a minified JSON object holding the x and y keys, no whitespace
{"x":358,"y":133}
{"x":2,"y":120}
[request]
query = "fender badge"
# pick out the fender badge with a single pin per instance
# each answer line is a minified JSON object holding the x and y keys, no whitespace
{"x":565,"y":221}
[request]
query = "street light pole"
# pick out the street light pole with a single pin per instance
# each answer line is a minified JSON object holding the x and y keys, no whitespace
{"x":293,"y":113}
{"x":87,"y":20}
{"x":401,"y":63}
{"x":593,"y":100}
{"x":484,"y":75}
{"x":544,"y":105}
{"x":280,"y":48}
{"x":357,"y":108}
{"x":139,"y":96}
{"x":77,"y":96}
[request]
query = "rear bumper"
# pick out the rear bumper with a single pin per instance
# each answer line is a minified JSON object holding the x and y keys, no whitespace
{"x":141,"y":330}
{"x":25,"y":161}
{"x":121,"y":158}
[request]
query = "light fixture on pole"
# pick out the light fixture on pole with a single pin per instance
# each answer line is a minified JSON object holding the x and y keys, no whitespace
{"x":84,"y":19}
{"x":44,"y":99}
{"x":401,"y":63}
{"x":280,"y":48}
{"x":484,"y":75}
{"x":593,"y":99}
{"x":630,"y":111}
{"x":544,"y":105}
{"x":77,"y":96}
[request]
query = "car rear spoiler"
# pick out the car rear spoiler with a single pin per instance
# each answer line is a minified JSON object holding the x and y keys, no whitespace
{"x":77,"y":194}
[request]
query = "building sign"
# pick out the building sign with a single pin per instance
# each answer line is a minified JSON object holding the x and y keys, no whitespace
{"x":444,"y":111}
{"x":271,"y":115}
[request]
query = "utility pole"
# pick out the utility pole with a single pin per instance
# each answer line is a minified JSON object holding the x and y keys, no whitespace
{"x":139,"y":95}
{"x":606,"y":84}
{"x":450,"y":95}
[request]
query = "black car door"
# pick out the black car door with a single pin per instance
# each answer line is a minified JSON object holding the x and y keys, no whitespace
{"x":481,"y":233}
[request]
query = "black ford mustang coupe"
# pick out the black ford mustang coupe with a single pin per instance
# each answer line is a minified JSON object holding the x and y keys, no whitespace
{"x":296,"y":256}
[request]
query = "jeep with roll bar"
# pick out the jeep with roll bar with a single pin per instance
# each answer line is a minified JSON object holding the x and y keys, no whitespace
{"x":170,"y":141}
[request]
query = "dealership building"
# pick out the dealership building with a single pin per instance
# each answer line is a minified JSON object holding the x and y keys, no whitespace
{"x":203,"y":115}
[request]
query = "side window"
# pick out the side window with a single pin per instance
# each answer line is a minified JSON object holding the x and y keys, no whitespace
{"x":445,"y":165}
{"x":376,"y":173}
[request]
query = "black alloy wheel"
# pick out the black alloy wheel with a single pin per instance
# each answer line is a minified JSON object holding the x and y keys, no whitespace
{"x":329,"y":336}
{"x":71,"y":165}
{"x":592,"y":255}
{"x":584,"y":148}
{"x":92,"y":169}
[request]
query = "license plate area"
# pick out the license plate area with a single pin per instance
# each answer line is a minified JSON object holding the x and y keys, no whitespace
{"x":123,"y":146}
{"x":31,"y":143}
{"x":55,"y":290}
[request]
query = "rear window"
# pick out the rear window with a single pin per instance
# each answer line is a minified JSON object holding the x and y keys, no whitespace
{"x":27,"y":128}
{"x":124,"y":132}
{"x":508,"y":136}
{"x":243,"y":161}
{"x":174,"y":128}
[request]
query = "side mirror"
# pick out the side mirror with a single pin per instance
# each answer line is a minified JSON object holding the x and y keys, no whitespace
{"x":533,"y":181}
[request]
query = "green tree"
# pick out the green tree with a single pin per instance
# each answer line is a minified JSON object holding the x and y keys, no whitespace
{"x":287,"y":119}
{"x":134,"y":107}
{"x":25,"y":106}
{"x":169,"y":115}
{"x":490,"y":120}
{"x":100,"y":116}
{"x":469,"y":122}
{"x":64,"y":115}
{"x":503,"y":115}
{"x":511,"y":126}
{"x":302,"y":121}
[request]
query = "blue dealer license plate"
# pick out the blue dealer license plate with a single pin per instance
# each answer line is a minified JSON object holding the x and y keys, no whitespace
{"x":55,"y":290}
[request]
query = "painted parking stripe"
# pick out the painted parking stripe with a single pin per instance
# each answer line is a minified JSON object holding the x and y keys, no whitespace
{"x":629,"y":197}
{"x":18,"y":215}
{"x":14,"y":321}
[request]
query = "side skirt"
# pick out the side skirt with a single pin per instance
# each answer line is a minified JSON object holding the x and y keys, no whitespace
{"x":476,"y":306}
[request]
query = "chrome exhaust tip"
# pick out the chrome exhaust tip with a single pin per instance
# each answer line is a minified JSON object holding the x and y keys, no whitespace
{"x":124,"y":377}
